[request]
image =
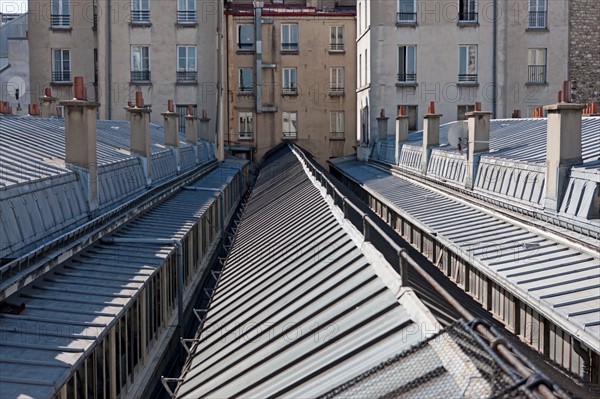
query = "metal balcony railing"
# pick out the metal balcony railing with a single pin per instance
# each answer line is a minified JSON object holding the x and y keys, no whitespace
{"x":406,"y":17}
{"x":61,"y":76}
{"x":289,"y":46}
{"x":336,"y":135}
{"x":140,"y":76}
{"x":468,"y":16}
{"x":336,"y":46}
{"x":290,"y":90}
{"x":290,"y":135}
{"x":246,"y":135}
{"x":187,"y":76}
{"x":467,"y":77}
{"x":140,"y":16}
{"x":407,"y":77}
{"x":60,"y":20}
{"x":245,"y":89}
{"x":537,"y":74}
{"x":537,"y":19}
{"x":336,"y":90}
{"x":186,"y":16}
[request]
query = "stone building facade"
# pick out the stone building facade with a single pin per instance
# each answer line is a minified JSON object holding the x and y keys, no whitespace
{"x":584,"y":49}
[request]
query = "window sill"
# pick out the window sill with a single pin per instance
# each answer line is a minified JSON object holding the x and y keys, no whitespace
{"x":336,"y":137}
{"x":406,"y":24}
{"x":290,"y":52}
{"x":244,"y":51}
{"x":289,"y":138}
{"x":289,"y":94}
{"x":467,"y":24}
{"x":537,"y":30}
{"x":467,"y":84}
{"x":337,"y":94}
{"x":61,"y":28}
{"x":186,"y":83}
{"x":140,"y":83}
{"x":337,"y":51}
{"x":61,"y":83}
{"x":185,"y":24}
{"x":140,"y":24}
{"x":407,"y":84}
{"x":536,"y":84}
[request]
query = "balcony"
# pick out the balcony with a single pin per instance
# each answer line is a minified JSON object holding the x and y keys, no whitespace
{"x":289,"y":47}
{"x":468,"y":18}
{"x":140,"y":76}
{"x":537,"y":74}
{"x":61,"y":77}
{"x":406,"y":18}
{"x":407,"y":77}
{"x":290,"y":135}
{"x":140,"y":16}
{"x":336,"y":47}
{"x":186,"y":76}
{"x":537,"y":19}
{"x":290,"y":90}
{"x":336,"y":91}
{"x":467,"y":78}
{"x":336,"y":136}
{"x":246,"y":135}
{"x":186,"y":17}
{"x":60,"y":21}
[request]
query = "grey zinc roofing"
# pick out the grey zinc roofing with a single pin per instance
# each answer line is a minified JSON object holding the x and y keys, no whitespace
{"x":67,"y":311}
{"x":298,"y":309}
{"x":560,"y":281}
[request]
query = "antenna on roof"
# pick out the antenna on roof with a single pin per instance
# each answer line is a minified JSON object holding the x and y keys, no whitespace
{"x":458,"y":133}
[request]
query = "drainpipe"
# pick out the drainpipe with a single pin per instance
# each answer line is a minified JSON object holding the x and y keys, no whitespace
{"x":494,"y":59}
{"x":219,"y":141}
{"x":258,"y":54}
{"x":109,"y":61}
{"x":585,"y":356}
{"x":161,"y":241}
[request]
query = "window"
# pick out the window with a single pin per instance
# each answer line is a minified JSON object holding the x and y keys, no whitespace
{"x":186,"y":11}
{"x":364,"y":124}
{"x":538,"y":14}
{"x":407,"y":64}
{"x":61,"y":65}
{"x":367,"y":80}
{"x":467,"y":63}
{"x":140,"y":11}
{"x":186,"y":64}
{"x":290,"y":84}
{"x":289,"y":125}
{"x":407,"y":11}
{"x":336,"y":38}
{"x":336,"y":81}
{"x":537,"y":65}
{"x":289,"y":37}
{"x":61,"y":13}
{"x":245,"y":80}
{"x":467,"y":11}
{"x":140,"y":64}
{"x":246,"y":128}
{"x":358,"y":17}
{"x":336,"y":125}
{"x":182,"y":110}
{"x":360,"y":77}
{"x":246,"y":37}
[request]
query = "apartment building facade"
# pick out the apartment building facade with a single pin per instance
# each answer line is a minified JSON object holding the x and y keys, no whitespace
{"x":166,"y":49}
{"x":290,"y":76}
{"x":506,"y":55}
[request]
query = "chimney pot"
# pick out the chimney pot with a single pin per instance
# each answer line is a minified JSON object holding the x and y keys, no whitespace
{"x":36,"y":109}
{"x":382,"y":113}
{"x":593,"y":108}
{"x":477,"y":106}
{"x":129,"y":104}
{"x":48,"y":92}
{"x":170,"y":107}
{"x":566,"y":91}
{"x":401,"y":111}
{"x":431,"y":109}
{"x":560,"y":96}
{"x":79,"y":88}
{"x":1,"y":107}
{"x":139,"y":99}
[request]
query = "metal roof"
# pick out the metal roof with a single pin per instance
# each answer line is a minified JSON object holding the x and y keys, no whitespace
{"x":67,"y":311}
{"x":42,"y":198}
{"x":562,"y":282}
{"x":299,"y":308}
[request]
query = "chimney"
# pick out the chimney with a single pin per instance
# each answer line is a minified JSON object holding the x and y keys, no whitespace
{"x":48,"y":101}
{"x":516,"y":114}
{"x":204,"y":120}
{"x":191,"y":126}
{"x":563,"y":149}
{"x":431,"y":135}
{"x":382,"y":125}
{"x":171,"y":128}
{"x":401,"y":132}
{"x":34,"y":109}
{"x":478,"y":123}
{"x":80,"y":140}
{"x":139,"y":122}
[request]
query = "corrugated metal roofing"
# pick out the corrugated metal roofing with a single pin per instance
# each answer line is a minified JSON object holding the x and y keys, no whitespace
{"x":298,"y":309}
{"x":66,"y":312}
{"x":562,"y":282}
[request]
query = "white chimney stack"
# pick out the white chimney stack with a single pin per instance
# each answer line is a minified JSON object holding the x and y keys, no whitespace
{"x":139,"y":122}
{"x":431,"y":135}
{"x":478,"y":123}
